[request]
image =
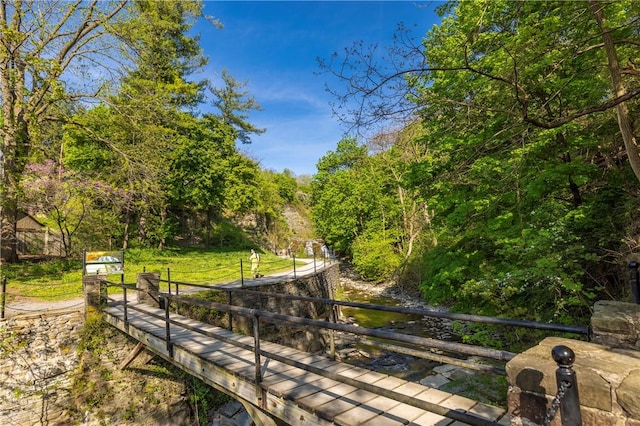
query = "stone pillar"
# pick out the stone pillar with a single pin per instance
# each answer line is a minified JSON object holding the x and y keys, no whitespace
{"x":95,"y":293}
{"x":148,"y":285}
{"x":608,"y":383}
{"x":616,"y":324}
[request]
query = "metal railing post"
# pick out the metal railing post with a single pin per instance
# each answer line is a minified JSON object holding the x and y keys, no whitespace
{"x":126,"y":314}
{"x":241,"y":274}
{"x":256,"y":344}
{"x":104,"y":289}
{"x":332,"y":333}
{"x":177,"y":302}
{"x":314,"y":263}
{"x":169,"y":280}
{"x":229,"y":302}
{"x":294,"y":266}
{"x":567,"y":398}
{"x":635,"y":281}
{"x":167,"y":329}
{"x":3,"y":296}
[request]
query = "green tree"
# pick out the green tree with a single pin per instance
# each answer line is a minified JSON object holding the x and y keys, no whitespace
{"x":521,"y":151}
{"x":523,"y":139}
{"x":287,"y":185}
{"x":208,"y":175}
{"x":136,"y":136}
{"x":59,"y":197}
{"x":151,"y":100}
{"x":365,"y":188}
{"x":233,"y":103}
{"x":336,"y":198}
{"x":517,"y":61}
{"x":67,"y":201}
{"x":41,"y":44}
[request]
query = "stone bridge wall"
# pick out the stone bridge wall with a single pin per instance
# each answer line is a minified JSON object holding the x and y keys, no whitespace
{"x":321,"y":285}
{"x":607,"y":370}
{"x":46,"y":379}
{"x":38,"y":356}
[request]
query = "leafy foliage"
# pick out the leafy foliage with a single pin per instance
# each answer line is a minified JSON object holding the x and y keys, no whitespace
{"x":517,"y":168}
{"x":164,"y":173}
{"x":511,"y":191}
{"x":233,"y":104}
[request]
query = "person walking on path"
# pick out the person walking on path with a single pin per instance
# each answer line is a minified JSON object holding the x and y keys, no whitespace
{"x":255,"y":263}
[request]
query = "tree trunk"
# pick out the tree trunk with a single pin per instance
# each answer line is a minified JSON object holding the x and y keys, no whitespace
{"x":15,"y":146}
{"x":13,"y":160}
{"x":163,"y":221}
{"x":8,"y":241}
{"x":630,"y":141}
{"x":207,"y":238}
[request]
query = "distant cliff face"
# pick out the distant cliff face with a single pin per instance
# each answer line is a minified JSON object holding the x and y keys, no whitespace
{"x":294,"y":224}
{"x":299,"y":222}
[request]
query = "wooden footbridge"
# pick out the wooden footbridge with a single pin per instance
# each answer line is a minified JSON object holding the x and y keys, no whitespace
{"x":281,"y":385}
{"x":296,"y":387}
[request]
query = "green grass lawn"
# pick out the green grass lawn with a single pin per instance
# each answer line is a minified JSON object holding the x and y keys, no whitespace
{"x":62,"y":279}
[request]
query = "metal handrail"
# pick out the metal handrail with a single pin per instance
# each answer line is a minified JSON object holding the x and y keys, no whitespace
{"x":564,"y":328}
{"x":576,"y":329}
{"x":275,"y":318}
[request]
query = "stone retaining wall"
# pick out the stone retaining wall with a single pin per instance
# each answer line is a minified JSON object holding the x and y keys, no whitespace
{"x":39,"y":356}
{"x":47,"y":380}
{"x":616,"y":324}
{"x":321,"y":285}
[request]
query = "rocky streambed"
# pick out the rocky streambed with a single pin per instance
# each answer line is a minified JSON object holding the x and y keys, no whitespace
{"x":484,"y":387}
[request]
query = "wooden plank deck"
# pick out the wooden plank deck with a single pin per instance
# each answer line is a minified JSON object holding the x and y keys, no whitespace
{"x":294,"y":395}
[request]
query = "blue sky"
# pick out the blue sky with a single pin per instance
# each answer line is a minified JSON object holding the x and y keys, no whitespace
{"x":273,"y":46}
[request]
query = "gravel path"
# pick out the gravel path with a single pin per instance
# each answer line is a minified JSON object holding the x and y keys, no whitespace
{"x":33,"y":307}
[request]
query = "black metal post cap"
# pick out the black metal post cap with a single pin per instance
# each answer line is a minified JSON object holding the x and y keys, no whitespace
{"x":563,"y":355}
{"x":633,"y":264}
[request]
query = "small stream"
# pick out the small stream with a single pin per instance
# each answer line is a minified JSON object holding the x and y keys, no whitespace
{"x":399,"y":365}
{"x":478,"y":386}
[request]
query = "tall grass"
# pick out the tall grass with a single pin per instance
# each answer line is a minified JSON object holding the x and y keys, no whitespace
{"x":62,"y":279}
